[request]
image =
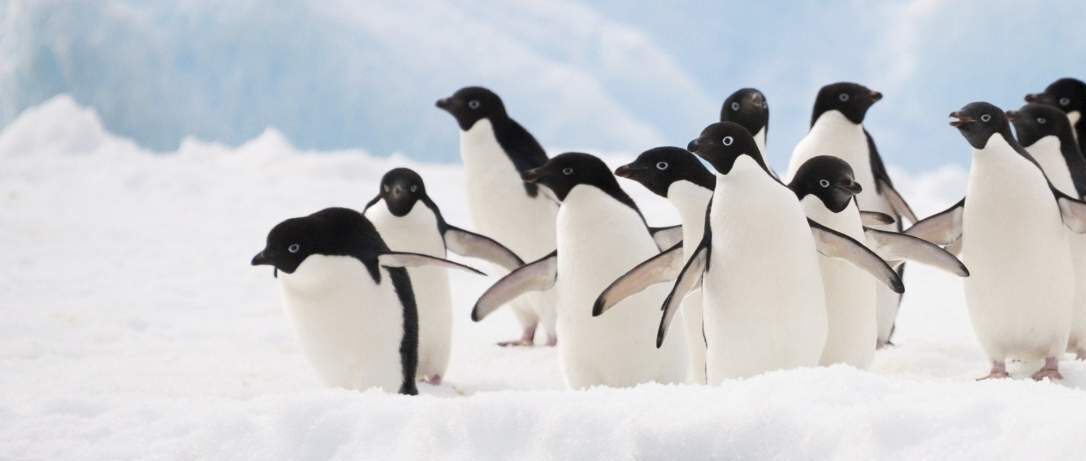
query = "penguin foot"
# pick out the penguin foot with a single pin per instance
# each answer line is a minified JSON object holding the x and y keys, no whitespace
{"x":552,"y":341}
{"x":517,"y":343}
{"x":1051,"y":370}
{"x":999,"y":371}
{"x":433,"y":380}
{"x":1080,"y":355}
{"x":884,"y":344}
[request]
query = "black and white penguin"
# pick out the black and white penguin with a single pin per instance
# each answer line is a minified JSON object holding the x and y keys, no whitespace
{"x":496,"y":150}
{"x":1068,"y":95}
{"x":1046,"y":134}
{"x":837,"y":129}
{"x":409,"y":220}
{"x":349,"y":298}
{"x":601,"y":235}
{"x":1013,"y":236}
{"x":749,"y":108}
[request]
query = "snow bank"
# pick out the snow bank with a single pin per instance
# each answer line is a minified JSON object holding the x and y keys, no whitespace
{"x":134,"y":328}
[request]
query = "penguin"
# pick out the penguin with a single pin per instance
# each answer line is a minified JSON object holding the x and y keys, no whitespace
{"x":763,"y":302}
{"x":496,"y":150}
{"x":1068,"y":95}
{"x":749,"y":108}
{"x":601,"y":234}
{"x":826,"y":188}
{"x":349,"y":298}
{"x":1012,"y":235}
{"x":409,"y":220}
{"x":1046,"y":134}
{"x":837,"y":129}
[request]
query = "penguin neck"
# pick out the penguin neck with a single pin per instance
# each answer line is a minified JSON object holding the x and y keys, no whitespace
{"x":1075,"y":117}
{"x":744,"y":171}
{"x":690,"y":200}
{"x":479,"y":145}
{"x":834,"y":123}
{"x":846,"y":221}
{"x":1049,"y":153}
{"x":319,"y":274}
{"x":760,"y":139}
{"x":1000,"y":160}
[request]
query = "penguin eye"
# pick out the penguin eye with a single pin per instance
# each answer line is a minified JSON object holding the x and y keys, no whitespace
{"x":727,"y":141}
{"x":661,"y":166}
{"x":387,"y":188}
{"x":567,"y":171}
{"x":473,"y":104}
{"x":1041,"y":120}
{"x":414,"y":187}
{"x":1065,"y":101}
{"x":294,"y":247}
{"x":824,"y":183}
{"x":843,"y":97}
{"x":735,"y":105}
{"x":985,"y":118}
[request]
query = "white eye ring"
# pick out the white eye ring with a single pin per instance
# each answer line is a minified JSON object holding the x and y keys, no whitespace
{"x":567,"y":171}
{"x":414,"y":187}
{"x":473,"y":104}
{"x":1065,"y":101}
{"x":727,"y":141}
{"x":824,"y":183}
{"x":1041,"y":120}
{"x":387,"y":189}
{"x":294,"y":247}
{"x":843,"y":97}
{"x":661,"y":166}
{"x":735,"y":105}
{"x":985,"y":118}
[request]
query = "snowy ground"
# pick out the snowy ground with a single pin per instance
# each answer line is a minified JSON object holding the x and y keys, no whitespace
{"x":134,"y":327}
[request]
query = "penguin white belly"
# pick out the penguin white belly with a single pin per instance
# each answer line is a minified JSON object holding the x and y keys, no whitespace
{"x":1020,"y":287}
{"x":691,"y":200}
{"x":349,"y":328}
{"x":850,"y":293}
{"x":501,"y":209}
{"x":600,"y":239}
{"x":763,"y":298}
{"x":1047,"y":153}
{"x":417,"y":232}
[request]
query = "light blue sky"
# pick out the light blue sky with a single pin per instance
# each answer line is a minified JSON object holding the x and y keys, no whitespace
{"x":607,"y":76}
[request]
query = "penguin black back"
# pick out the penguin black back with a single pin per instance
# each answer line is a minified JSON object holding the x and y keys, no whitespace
{"x":658,"y":168}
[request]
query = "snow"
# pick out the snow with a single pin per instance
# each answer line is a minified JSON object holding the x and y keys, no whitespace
{"x":134,"y":328}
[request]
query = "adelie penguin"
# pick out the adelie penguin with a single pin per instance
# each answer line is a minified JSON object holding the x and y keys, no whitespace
{"x":764,"y":305}
{"x":1046,"y":134}
{"x":1069,"y":96}
{"x":749,"y":108}
{"x":1011,"y":228}
{"x":837,"y":129}
{"x":409,"y":220}
{"x":496,"y":150}
{"x":826,"y":187}
{"x":601,"y":235}
{"x":349,"y":298}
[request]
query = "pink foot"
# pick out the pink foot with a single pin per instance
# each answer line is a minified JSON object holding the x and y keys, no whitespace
{"x":1051,"y":371}
{"x":527,"y":338}
{"x":552,"y":341}
{"x":999,"y":371}
{"x":1081,"y":354}
{"x":434,"y":380}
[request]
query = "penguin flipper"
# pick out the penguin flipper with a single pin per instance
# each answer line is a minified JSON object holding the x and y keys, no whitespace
{"x":943,"y":228}
{"x":895,"y":246}
{"x":874,"y":218}
{"x":897,"y":202}
{"x":472,"y":245}
{"x":688,"y":280}
{"x":834,"y":244}
{"x":404,"y":259}
{"x":535,"y":276}
{"x":663,"y":267}
{"x":1072,"y":211}
{"x":667,"y":237}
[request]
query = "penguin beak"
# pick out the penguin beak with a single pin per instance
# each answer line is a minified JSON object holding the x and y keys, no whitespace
{"x":957,"y":120}
{"x":1012,"y":115}
{"x":445,"y":104}
{"x":852,"y":187}
{"x":1033,"y":97}
{"x":875,"y":95}
{"x":261,"y":259}
{"x":694,"y":145}
{"x":628,"y":171}
{"x":533,"y":175}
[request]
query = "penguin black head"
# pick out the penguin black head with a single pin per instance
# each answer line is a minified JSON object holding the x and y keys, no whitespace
{"x":978,"y":121}
{"x":1067,"y":94}
{"x":747,"y":107}
{"x":400,"y":189}
{"x":828,"y":178}
{"x":722,"y":143}
{"x":566,"y":171}
{"x":332,"y":231}
{"x":471,"y":104}
{"x":850,"y":99}
{"x":1035,"y":121}
{"x":657,"y":169}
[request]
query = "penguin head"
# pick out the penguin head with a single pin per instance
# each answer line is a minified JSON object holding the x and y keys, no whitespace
{"x":658,"y":168}
{"x":1066,"y":94}
{"x":471,"y":104}
{"x":1035,"y":121}
{"x":400,"y":189}
{"x":331,"y":231}
{"x":978,"y":121}
{"x":722,"y":143}
{"x":850,"y":99}
{"x":566,"y":171}
{"x":289,"y":243}
{"x":747,"y":107}
{"x":828,"y":178}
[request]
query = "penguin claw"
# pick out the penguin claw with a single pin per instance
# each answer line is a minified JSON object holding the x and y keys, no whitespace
{"x":999,"y":371}
{"x":516,"y":343}
{"x":1051,"y":371}
{"x":434,"y":380}
{"x":552,"y":341}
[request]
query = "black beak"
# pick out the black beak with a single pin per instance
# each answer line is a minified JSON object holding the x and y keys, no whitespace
{"x":397,"y":191}
{"x":957,"y":120}
{"x":852,"y":187}
{"x":1012,"y":115}
{"x":628,"y":171}
{"x":1033,"y":97}
{"x":445,"y":104}
{"x":693,"y":146}
{"x":261,"y":260}
{"x":533,"y":175}
{"x":875,"y":95}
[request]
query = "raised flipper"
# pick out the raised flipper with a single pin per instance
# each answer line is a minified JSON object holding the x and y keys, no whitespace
{"x":837,"y":245}
{"x":897,"y":202}
{"x":472,"y":245}
{"x":689,"y":279}
{"x":943,"y":228}
{"x":1072,"y":211}
{"x":666,"y":237}
{"x":663,"y":267}
{"x":874,"y":218}
{"x":894,"y":246}
{"x":535,"y":276}
{"x":404,"y":259}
